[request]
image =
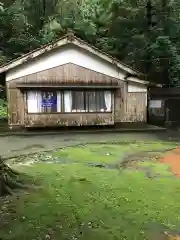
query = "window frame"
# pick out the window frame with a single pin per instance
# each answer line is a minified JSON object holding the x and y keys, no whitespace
{"x":63,"y":101}
{"x":41,"y":91}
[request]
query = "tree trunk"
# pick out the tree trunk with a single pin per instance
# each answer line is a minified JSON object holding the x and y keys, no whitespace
{"x":43,"y":14}
{"x":149,"y":26}
{"x":165,"y":28}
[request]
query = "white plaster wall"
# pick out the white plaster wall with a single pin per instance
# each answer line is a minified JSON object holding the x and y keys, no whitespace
{"x":133,"y":87}
{"x":62,"y":56}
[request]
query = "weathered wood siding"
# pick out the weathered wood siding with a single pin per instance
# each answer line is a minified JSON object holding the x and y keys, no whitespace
{"x":18,"y":116}
{"x":136,"y":107}
{"x":15,"y":107}
{"x":65,"y":74}
{"x":69,"y":119}
{"x":120,"y":102}
{"x":80,"y":55}
{"x":68,"y":74}
{"x":128,"y":107}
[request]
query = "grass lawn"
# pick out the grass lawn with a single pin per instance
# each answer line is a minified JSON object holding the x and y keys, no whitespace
{"x":72,"y":200}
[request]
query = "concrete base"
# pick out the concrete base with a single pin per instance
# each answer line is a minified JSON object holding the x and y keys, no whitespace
{"x":131,"y":125}
{"x":124,"y":127}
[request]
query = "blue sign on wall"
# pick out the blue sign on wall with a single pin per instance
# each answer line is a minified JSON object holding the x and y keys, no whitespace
{"x":49,"y":100}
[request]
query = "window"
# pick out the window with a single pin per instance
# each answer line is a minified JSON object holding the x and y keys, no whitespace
{"x":69,"y":101}
{"x":95,"y":102}
{"x":43,"y":102}
{"x":88,"y":101}
{"x":78,"y":103}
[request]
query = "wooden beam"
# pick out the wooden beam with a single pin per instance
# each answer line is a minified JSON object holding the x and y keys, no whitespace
{"x":165,"y":91}
{"x":67,"y":86}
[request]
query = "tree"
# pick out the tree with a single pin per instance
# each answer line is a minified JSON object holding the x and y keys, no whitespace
{"x":119,"y":27}
{"x":15,"y":38}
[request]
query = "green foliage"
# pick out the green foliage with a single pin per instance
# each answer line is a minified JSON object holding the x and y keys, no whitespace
{"x":3,"y":109}
{"x":15,"y":35}
{"x":118,"y":27}
{"x":3,"y":104}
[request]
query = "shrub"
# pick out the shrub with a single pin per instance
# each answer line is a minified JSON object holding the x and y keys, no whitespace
{"x":3,"y":109}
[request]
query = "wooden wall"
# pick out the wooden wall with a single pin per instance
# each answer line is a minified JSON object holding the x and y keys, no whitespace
{"x":120,"y":102}
{"x":65,"y":74}
{"x":69,"y":119}
{"x":128,"y":107}
{"x":68,"y":74}
{"x":15,"y":107}
{"x":136,"y":107}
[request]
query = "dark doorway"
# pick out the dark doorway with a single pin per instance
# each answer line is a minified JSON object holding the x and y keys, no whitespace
{"x":173,"y":106}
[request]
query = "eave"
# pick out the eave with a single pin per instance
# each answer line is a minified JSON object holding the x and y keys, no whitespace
{"x":69,"y":39}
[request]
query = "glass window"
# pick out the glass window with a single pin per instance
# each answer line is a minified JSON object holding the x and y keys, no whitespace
{"x":88,"y":101}
{"x":69,"y":101}
{"x":43,"y":102}
{"x":78,"y":101}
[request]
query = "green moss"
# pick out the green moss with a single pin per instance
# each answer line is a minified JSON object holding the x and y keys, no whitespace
{"x":74,"y":201}
{"x":94,"y":153}
{"x":157,"y":168}
{"x":109,"y":153}
{"x":78,"y":202}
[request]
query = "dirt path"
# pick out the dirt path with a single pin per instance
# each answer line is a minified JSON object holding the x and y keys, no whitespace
{"x":16,"y":145}
{"x":172,"y":158}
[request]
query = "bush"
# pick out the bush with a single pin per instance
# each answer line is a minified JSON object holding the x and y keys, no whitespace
{"x":3,"y":110}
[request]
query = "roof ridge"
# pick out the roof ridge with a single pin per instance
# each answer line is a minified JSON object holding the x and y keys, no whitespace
{"x":108,"y":55}
{"x":70,"y":36}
